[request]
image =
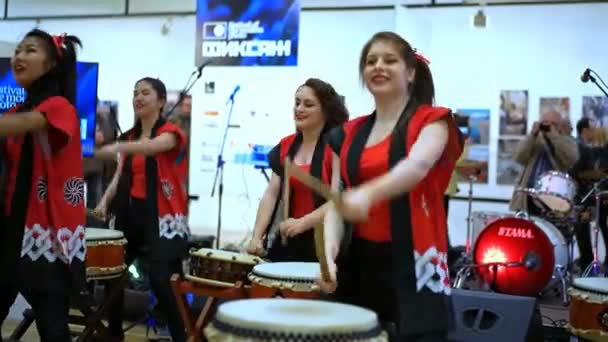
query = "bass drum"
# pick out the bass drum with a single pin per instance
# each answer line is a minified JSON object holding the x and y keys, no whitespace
{"x":533,"y":241}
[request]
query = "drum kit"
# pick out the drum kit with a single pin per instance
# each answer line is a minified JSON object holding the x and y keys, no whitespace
{"x":525,"y":255}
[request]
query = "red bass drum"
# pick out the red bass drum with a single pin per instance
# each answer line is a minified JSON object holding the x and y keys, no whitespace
{"x":519,"y":240}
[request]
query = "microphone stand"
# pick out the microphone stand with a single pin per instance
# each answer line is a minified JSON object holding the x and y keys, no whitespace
{"x":595,"y":82}
{"x":182,"y":95}
{"x":219,"y":171}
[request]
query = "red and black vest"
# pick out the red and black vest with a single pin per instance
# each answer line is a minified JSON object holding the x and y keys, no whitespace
{"x":418,"y":219}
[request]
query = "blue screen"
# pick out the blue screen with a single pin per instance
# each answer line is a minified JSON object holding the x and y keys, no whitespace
{"x":12,"y":94}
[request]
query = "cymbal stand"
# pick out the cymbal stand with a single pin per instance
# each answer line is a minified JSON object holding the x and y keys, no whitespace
{"x":594,"y":268}
{"x":465,"y":271}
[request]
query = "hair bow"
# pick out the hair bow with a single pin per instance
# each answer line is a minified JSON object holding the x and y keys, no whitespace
{"x":421,"y":58}
{"x":59,"y":41}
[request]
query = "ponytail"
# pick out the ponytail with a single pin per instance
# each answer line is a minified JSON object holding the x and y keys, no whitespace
{"x":423,"y":88}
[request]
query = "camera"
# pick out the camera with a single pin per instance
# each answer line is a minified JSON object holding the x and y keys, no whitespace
{"x":545,"y":127}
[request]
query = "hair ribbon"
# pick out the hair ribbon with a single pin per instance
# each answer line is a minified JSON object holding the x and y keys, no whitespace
{"x":421,"y":58}
{"x":59,"y":41}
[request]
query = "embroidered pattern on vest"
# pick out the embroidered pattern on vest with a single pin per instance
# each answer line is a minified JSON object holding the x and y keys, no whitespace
{"x":171,"y":226}
{"x":432,"y":271}
{"x":63,"y":245}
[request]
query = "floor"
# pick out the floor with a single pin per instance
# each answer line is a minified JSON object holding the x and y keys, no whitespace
{"x":137,"y":334}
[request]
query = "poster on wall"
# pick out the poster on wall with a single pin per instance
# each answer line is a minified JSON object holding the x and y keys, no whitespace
{"x":513,"y":112}
{"x":477,"y":133}
{"x":560,"y":105}
{"x":596,"y":109}
{"x":247,"y":33}
{"x":86,"y":100}
{"x":507,"y":169}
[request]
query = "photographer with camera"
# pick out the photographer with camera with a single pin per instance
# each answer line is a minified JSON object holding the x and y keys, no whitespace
{"x":548,"y":147}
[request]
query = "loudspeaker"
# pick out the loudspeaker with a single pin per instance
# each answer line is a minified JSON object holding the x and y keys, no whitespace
{"x":487,"y":316}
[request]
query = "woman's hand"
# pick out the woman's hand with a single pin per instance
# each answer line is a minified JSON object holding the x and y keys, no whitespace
{"x":101,"y":211}
{"x":331,"y":252}
{"x":256,"y":247}
{"x":292,"y":227}
{"x":356,"y":204}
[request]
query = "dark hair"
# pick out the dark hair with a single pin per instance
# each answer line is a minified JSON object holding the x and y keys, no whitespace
{"x":582,"y":124}
{"x":422,"y":89}
{"x":157,"y":85}
{"x":62,"y":77}
{"x":332,"y":105}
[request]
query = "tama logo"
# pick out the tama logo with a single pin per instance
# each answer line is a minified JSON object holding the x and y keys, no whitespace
{"x":521,"y":233}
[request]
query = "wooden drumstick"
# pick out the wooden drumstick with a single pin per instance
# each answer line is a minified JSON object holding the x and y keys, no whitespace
{"x":315,"y":184}
{"x":319,"y":232}
{"x":286,"y":190}
{"x":320,"y":249}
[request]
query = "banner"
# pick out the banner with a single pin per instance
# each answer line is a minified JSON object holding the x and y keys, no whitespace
{"x":247,"y":33}
{"x":12,"y":94}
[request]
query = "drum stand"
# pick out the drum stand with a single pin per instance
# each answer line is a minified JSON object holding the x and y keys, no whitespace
{"x":465,"y":271}
{"x":182,"y":287}
{"x":593,"y":270}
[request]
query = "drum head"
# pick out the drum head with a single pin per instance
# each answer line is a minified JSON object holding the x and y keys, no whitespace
{"x":288,"y":270}
{"x":92,"y":234}
{"x":515,"y":240}
{"x":597,"y":285}
{"x":296,"y":316}
{"x":223,"y":255}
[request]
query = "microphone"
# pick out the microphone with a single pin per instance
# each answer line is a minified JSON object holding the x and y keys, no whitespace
{"x":532,"y":261}
{"x":204,"y":64}
{"x":585,"y":77}
{"x":236,"y":90}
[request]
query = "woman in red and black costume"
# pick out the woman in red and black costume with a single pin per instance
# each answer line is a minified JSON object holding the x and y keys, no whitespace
{"x":318,"y":108}
{"x":395,"y":164}
{"x":42,"y":238}
{"x":148,"y":197}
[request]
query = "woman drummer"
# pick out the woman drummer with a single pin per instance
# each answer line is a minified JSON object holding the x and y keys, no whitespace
{"x":148,"y":197}
{"x":396,"y":164}
{"x":317,"y":109}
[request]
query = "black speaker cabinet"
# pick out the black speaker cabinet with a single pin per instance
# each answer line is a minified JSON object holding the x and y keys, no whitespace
{"x":492,"y":317}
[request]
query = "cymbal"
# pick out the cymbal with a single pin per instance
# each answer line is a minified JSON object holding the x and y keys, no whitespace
{"x":594,"y":174}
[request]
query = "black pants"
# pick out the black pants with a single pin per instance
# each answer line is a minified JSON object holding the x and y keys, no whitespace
{"x":159,"y":274}
{"x":51,"y":311}
{"x":583,"y":231}
{"x":141,"y":246}
{"x":365,"y":279}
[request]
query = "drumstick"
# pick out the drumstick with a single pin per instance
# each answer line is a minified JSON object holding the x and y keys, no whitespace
{"x":320,"y":249}
{"x":319,"y":232}
{"x":285,"y":195}
{"x":315,"y":184}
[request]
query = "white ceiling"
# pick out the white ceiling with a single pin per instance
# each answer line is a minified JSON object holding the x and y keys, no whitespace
{"x":34,"y":8}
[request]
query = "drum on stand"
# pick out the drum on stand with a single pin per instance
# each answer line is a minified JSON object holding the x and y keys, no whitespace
{"x":589,"y":308}
{"x":285,"y":279}
{"x":534,"y":247}
{"x":556,"y":190}
{"x":220,"y":268}
{"x":253,"y":320}
{"x":105,"y":257}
